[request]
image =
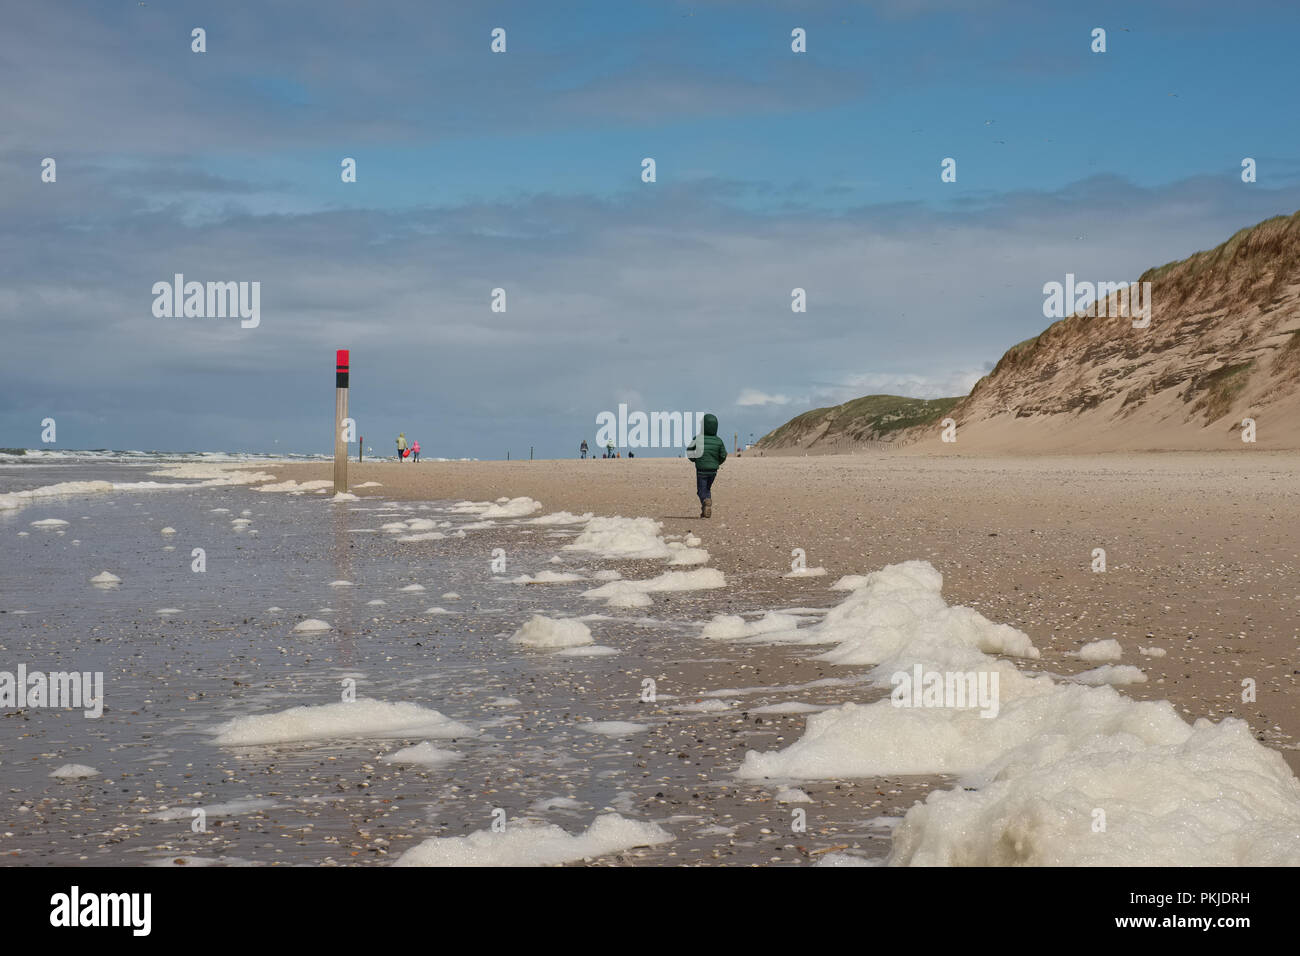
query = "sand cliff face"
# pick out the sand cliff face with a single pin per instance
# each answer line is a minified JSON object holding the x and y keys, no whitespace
{"x":1222,"y":345}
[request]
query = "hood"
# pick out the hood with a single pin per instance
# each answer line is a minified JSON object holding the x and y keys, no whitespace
{"x":710,"y":424}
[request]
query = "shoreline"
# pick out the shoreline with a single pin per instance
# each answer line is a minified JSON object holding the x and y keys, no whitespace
{"x":1198,"y":548}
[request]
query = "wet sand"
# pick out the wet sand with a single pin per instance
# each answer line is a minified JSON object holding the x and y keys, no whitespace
{"x":1202,"y":551}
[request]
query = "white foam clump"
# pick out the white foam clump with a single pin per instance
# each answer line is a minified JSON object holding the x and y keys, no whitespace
{"x":547,"y":577}
{"x":683,"y":555}
{"x":589,"y":650}
{"x":805,"y":573}
{"x":546,"y":632}
{"x":311,"y":626}
{"x":897,"y":617}
{"x":791,"y":795}
{"x":231,"y":809}
{"x":849,"y":582}
{"x":291,"y":485}
{"x":1031,"y":777}
{"x":1116,"y":674}
{"x":74,"y":771}
{"x":370,"y":484}
{"x":1152,"y":651}
{"x":521,"y":844}
{"x":730,"y":627}
{"x":501,"y":508}
{"x":636,"y":593}
{"x":341,"y":584}
{"x":344,"y":496}
{"x":1107,"y":650}
{"x":18,"y":499}
{"x":629,"y":539}
{"x":362,"y":719}
{"x":450,"y":596}
{"x":212,"y":475}
{"x":412,"y":587}
{"x":705,"y":706}
{"x":438,"y":610}
{"x":105,"y":579}
{"x":787,"y":707}
{"x":422,"y":755}
{"x":168,"y":530}
{"x":413,"y":524}
{"x":613,"y":728}
{"x":561,"y":517}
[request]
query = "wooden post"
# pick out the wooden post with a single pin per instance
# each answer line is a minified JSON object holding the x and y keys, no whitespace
{"x":361,"y":444}
{"x":340,"y":413}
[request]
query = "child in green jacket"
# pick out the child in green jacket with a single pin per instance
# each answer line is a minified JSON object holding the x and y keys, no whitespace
{"x":709,"y":452}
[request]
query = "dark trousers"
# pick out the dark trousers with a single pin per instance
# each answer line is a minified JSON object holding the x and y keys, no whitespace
{"x":704,"y":484}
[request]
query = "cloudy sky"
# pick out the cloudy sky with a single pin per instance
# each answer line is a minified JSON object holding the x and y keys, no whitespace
{"x":522,"y":170}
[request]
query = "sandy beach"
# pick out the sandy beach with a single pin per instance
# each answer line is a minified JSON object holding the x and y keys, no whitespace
{"x":1201,"y":552}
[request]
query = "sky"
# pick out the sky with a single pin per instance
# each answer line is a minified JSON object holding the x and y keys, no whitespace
{"x":522,"y":170}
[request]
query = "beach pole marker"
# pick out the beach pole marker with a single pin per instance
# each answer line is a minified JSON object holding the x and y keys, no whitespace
{"x":340,"y":415}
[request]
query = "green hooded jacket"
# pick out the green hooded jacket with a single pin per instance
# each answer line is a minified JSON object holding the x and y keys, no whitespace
{"x":713,"y":451}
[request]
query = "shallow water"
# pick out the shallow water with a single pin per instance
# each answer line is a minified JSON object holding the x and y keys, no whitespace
{"x":221,"y":653}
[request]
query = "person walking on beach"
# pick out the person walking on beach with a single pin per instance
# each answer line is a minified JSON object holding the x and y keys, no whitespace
{"x":709,"y":452}
{"x":401,"y":446}
{"x":415,"y":450}
{"x":609,"y":449}
{"x":583,"y":448}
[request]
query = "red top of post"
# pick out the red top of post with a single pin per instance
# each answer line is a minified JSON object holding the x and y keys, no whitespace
{"x":341,"y":361}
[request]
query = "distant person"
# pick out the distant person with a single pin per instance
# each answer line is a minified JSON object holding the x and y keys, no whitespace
{"x":583,"y":448}
{"x":709,"y":452}
{"x":415,"y":450}
{"x":401,"y":446}
{"x":609,"y":449}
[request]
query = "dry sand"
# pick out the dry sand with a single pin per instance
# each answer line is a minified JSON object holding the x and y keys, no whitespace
{"x":1201,"y":549}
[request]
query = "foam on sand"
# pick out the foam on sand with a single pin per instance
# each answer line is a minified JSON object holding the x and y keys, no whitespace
{"x":362,"y":720}
{"x":731,"y":627}
{"x":522,"y":844}
{"x":1116,"y":674}
{"x":230,"y":809}
{"x":1108,"y":650}
{"x":545,"y":632}
{"x":547,"y":577}
{"x":1031,"y":776}
{"x":311,"y":626}
{"x":631,"y":539}
{"x":105,"y":580}
{"x":613,"y":728}
{"x":422,"y":755}
{"x":501,"y":508}
{"x":46,"y":523}
{"x":805,"y":573}
{"x":74,"y":771}
{"x":561,"y":517}
{"x":291,"y":485}
{"x":636,"y":593}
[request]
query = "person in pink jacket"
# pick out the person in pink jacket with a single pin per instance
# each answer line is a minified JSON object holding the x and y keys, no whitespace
{"x":415,"y":451}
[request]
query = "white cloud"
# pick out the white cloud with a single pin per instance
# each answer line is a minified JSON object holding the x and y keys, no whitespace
{"x":752,"y":396}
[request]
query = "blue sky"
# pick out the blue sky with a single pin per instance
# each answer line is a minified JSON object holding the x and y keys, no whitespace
{"x":522,"y":171}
